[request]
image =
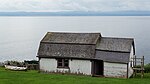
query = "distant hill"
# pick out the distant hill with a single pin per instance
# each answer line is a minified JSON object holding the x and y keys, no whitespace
{"x":77,"y":13}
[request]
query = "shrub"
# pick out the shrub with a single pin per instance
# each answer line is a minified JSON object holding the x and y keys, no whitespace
{"x":146,"y":68}
{"x":14,"y":63}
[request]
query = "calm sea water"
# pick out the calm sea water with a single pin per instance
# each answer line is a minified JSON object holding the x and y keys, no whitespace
{"x":20,"y":36}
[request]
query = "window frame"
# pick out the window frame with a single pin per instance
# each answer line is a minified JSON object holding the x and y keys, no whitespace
{"x":62,"y":63}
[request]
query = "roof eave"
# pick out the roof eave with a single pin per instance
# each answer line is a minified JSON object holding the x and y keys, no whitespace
{"x":56,"y":57}
{"x":113,"y":51}
{"x":116,"y":62}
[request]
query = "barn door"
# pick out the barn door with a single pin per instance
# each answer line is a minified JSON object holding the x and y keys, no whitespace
{"x":98,"y":68}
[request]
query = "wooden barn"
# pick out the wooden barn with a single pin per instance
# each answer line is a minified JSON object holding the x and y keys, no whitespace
{"x":87,"y":54}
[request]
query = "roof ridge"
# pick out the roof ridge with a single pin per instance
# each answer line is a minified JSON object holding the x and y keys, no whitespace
{"x":118,"y":38}
{"x":76,"y":32}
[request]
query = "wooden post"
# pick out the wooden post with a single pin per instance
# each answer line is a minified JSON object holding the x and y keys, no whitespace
{"x":135,"y":66}
{"x":142,"y":66}
{"x":133,"y":61}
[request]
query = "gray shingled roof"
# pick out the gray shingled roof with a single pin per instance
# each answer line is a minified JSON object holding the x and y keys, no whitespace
{"x":114,"y":49}
{"x":58,"y":44}
{"x":112,"y":56}
{"x":81,"y":38}
{"x":115,"y":44}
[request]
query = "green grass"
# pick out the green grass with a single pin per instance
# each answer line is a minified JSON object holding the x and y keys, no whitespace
{"x":33,"y":77}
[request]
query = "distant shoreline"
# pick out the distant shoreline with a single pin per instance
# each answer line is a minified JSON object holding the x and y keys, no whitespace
{"x":77,"y":13}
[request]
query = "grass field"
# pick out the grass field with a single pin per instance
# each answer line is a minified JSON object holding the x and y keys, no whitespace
{"x":33,"y":77}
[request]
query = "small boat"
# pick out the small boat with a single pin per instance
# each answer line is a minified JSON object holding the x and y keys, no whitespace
{"x":15,"y":68}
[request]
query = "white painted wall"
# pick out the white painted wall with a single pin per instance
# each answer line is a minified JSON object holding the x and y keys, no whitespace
{"x":75,"y":66}
{"x":130,"y":65}
{"x":84,"y":67}
{"x":115,"y":70}
{"x":131,"y":56}
{"x":119,"y":70}
{"x":80,"y":66}
{"x":130,"y":71}
{"x":48,"y":65}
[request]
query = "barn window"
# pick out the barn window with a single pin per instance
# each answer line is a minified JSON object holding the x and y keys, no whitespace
{"x":63,"y":63}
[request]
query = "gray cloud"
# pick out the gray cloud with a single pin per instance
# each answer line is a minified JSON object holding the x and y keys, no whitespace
{"x":74,"y":5}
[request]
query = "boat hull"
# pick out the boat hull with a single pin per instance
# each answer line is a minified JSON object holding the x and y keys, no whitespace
{"x":15,"y":68}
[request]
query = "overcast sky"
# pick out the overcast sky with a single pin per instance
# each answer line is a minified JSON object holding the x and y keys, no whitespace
{"x":73,"y":5}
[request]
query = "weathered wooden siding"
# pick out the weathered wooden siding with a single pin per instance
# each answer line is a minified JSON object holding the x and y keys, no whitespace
{"x":130,"y":65}
{"x":80,"y":66}
{"x":75,"y":66}
{"x":115,"y":70}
